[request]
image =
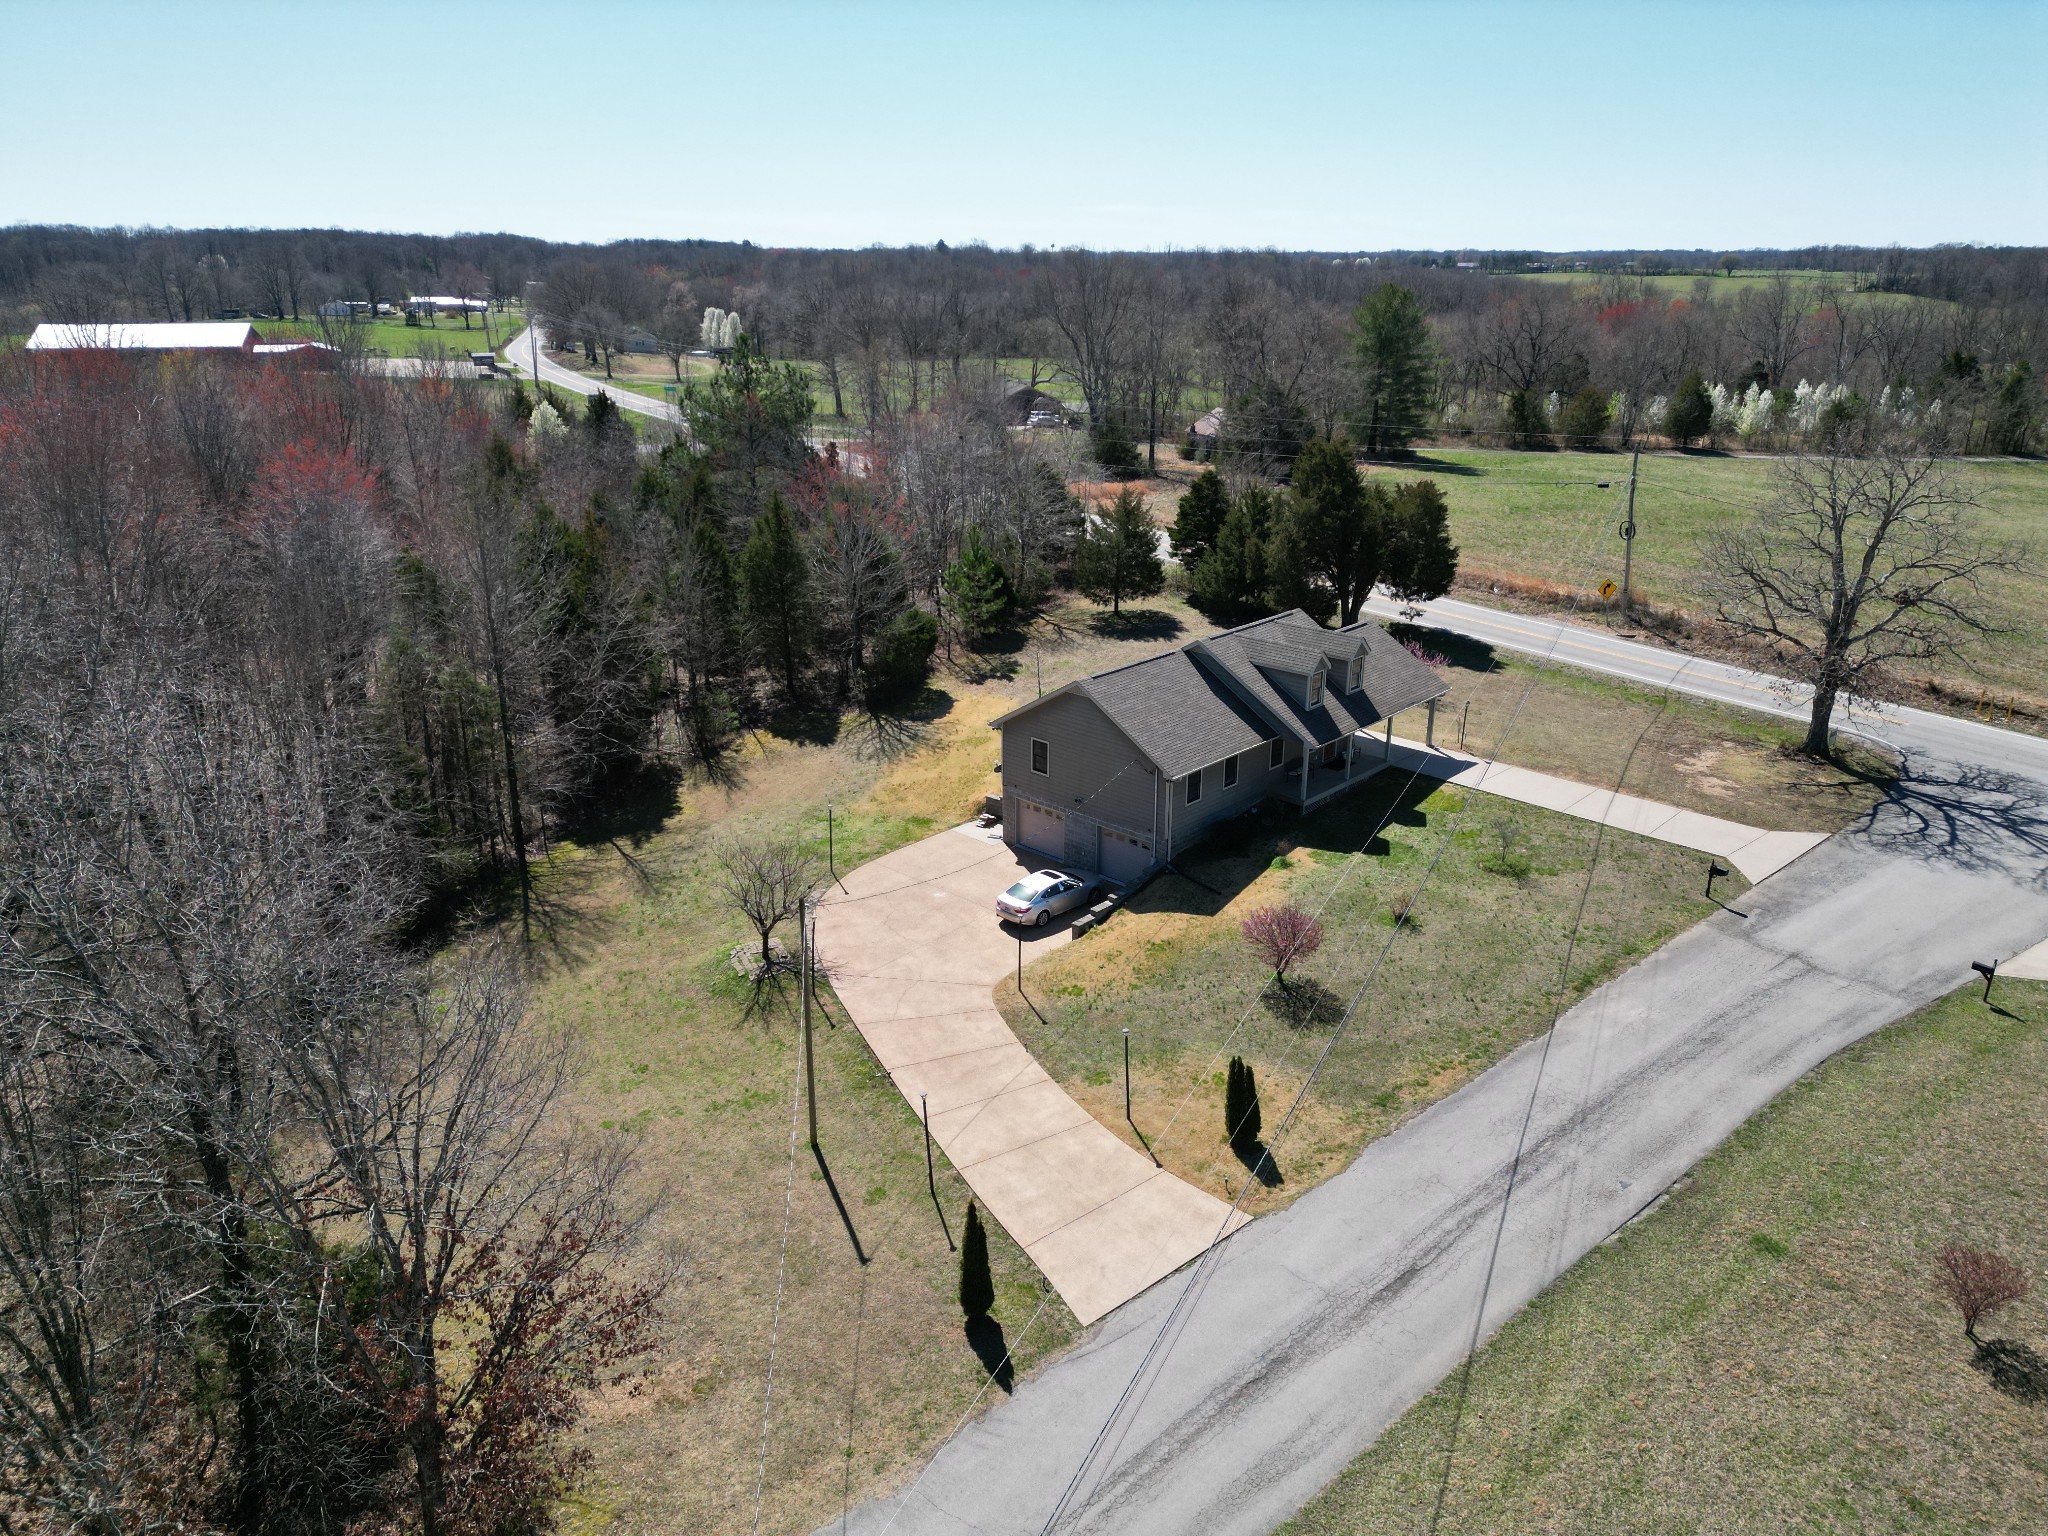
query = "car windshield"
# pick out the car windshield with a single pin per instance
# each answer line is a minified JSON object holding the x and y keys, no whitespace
{"x":1023,"y":890}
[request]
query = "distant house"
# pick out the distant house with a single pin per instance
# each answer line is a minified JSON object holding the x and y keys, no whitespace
{"x":444,"y":304}
{"x":639,"y":340}
{"x":1205,"y":434}
{"x":120,"y":336}
{"x":1118,"y":772}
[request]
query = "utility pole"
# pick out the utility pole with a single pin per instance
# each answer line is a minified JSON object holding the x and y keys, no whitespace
{"x":1628,"y":535}
{"x":803,"y":930}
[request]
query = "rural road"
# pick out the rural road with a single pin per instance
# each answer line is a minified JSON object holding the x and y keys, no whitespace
{"x":1227,"y":1395}
{"x":519,"y":351}
{"x":1909,"y":730}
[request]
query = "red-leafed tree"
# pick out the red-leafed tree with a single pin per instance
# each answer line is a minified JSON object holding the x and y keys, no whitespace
{"x":1977,"y":1283}
{"x":1282,"y":936}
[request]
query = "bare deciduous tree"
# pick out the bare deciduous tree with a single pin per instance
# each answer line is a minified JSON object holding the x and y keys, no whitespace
{"x":1864,"y":557}
{"x":766,"y":880}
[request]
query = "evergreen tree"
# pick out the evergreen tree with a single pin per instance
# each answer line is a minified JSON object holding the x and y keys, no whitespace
{"x":1113,"y":448}
{"x":1241,"y":1119}
{"x":1118,"y":554}
{"x":2013,"y":411}
{"x":1336,"y":525}
{"x":1203,"y":507}
{"x":902,"y":657}
{"x":977,"y":1285}
{"x":1230,"y":583}
{"x":1421,"y":561}
{"x":1395,"y":358}
{"x":1584,"y":418}
{"x":775,"y":592}
{"x":979,"y":589}
{"x":1528,"y":425}
{"x":1690,"y":413}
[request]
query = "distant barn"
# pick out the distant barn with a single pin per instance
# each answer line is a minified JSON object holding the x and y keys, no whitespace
{"x":120,"y":336}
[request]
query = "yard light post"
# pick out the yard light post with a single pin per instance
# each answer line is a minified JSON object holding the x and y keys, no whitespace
{"x":931,"y":1177}
{"x":1987,"y":972}
{"x":1127,"y":1078}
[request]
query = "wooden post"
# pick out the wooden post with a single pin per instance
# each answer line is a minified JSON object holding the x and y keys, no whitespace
{"x":803,"y":925}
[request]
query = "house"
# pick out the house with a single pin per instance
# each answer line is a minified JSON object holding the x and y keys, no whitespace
{"x":1205,"y":434}
{"x":1118,"y":772}
{"x":119,"y":336}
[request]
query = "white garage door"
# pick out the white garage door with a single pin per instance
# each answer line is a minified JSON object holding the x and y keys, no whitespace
{"x":1043,"y":831}
{"x":1124,"y":859}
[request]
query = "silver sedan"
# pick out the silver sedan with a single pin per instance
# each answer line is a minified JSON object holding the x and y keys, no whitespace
{"x":1037,"y":899}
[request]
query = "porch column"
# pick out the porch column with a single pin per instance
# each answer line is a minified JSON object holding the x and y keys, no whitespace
{"x":1387,"y":751}
{"x":1304,"y":780}
{"x":1429,"y":730}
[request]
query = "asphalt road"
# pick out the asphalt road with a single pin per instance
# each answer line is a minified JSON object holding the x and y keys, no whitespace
{"x":520,"y":352}
{"x":1909,"y":730}
{"x":1226,"y":1396}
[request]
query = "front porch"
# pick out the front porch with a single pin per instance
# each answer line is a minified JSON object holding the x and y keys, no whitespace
{"x":1345,"y":764}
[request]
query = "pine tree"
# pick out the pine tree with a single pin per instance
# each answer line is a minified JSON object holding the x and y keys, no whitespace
{"x":1118,"y":555}
{"x":1421,"y":561}
{"x":775,"y":591}
{"x":1241,"y":1105}
{"x":977,"y":1285}
{"x":1229,"y":584}
{"x":1394,"y":357}
{"x":979,"y":588}
{"x":1690,"y":413}
{"x":1203,"y":507}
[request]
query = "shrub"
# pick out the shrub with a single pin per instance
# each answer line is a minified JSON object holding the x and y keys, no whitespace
{"x":1241,"y":1123}
{"x":902,"y":658}
{"x":1510,"y":852}
{"x":977,"y":1285}
{"x":1977,"y":1283}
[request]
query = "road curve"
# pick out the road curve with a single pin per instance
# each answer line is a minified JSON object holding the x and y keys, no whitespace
{"x":520,"y":353}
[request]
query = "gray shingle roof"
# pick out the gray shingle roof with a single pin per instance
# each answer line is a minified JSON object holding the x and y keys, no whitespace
{"x":1209,"y":699}
{"x":1179,"y":716}
{"x":1391,"y":680}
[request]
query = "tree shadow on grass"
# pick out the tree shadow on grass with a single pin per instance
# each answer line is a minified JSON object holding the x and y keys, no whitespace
{"x":1303,"y":1004}
{"x":887,"y":731}
{"x":985,"y":1338}
{"x":1257,"y":1158}
{"x":809,"y":725}
{"x":2016,"y":1369}
{"x":1460,"y":651}
{"x":1136,"y":624}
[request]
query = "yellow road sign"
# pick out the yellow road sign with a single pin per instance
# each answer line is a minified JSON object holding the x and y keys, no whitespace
{"x":1608,"y":589}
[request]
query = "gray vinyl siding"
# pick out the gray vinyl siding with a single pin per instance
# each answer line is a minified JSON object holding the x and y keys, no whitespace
{"x":1255,"y":781}
{"x":1094,"y":773}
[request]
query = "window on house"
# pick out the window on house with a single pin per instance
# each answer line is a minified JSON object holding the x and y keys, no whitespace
{"x":1315,"y":690}
{"x":1357,"y":672}
{"x":1194,"y":786}
{"x":1230,"y":771}
{"x":1277,"y":753}
{"x":1041,"y":756}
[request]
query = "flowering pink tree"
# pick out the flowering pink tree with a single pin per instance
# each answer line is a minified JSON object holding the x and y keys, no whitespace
{"x":1281,"y":936}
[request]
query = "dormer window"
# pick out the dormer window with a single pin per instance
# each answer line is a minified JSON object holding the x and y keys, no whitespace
{"x":1315,"y":689}
{"x":1351,"y":680}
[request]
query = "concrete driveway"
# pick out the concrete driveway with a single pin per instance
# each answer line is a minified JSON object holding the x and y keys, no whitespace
{"x":913,"y":948}
{"x":1222,"y":1401}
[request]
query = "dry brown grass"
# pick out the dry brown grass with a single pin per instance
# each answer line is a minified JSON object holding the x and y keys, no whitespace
{"x":1767,"y":1351}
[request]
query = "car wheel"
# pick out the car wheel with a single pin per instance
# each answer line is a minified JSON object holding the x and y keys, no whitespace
{"x":1044,"y":918}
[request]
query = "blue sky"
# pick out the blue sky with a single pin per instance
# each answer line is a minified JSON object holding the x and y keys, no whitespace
{"x":1328,"y":126}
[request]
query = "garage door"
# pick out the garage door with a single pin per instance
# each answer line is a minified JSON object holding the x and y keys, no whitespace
{"x":1124,"y":859}
{"x":1043,"y":831}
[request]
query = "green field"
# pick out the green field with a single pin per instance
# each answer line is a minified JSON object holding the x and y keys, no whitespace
{"x":394,"y":338}
{"x":1679,"y":285}
{"x":1765,"y":1352}
{"x":1539,"y":515}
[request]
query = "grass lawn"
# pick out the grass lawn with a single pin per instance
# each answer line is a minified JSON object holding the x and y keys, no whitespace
{"x":394,"y":338}
{"x":1765,"y":1352}
{"x":1475,"y":971}
{"x":1538,"y":515}
{"x":1689,"y":752}
{"x":872,"y":1369}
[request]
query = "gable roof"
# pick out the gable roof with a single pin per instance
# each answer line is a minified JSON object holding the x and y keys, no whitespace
{"x":1209,"y":699}
{"x":199,"y":335}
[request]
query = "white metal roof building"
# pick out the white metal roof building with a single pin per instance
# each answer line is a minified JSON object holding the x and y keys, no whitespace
{"x":120,"y":336}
